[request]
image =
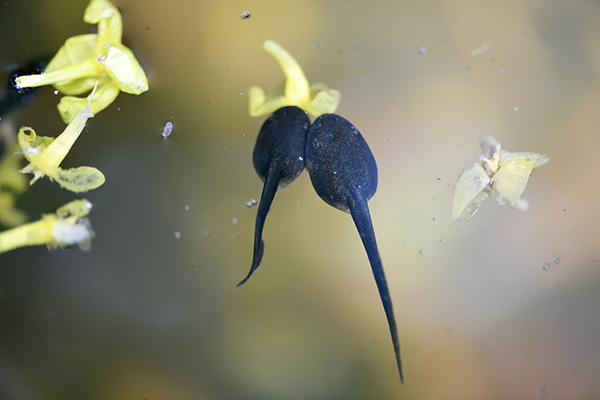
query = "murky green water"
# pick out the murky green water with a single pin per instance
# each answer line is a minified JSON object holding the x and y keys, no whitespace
{"x":152,"y":312}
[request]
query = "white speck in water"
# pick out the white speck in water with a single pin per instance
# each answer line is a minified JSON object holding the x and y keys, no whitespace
{"x":234,"y":220}
{"x":421,"y":252}
{"x":187,"y":208}
{"x":167,"y":130}
{"x":433,"y":219}
{"x":480,"y":50}
{"x":546,"y":266}
{"x":177,"y":234}
{"x":207,"y":232}
{"x":516,"y":108}
{"x":56,"y":92}
{"x":364,"y":77}
{"x":557,"y":261}
{"x":251,"y":203}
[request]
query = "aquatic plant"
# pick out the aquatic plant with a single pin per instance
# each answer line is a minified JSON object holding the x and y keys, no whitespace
{"x":84,"y":59}
{"x":67,"y":227}
{"x":45,"y":155}
{"x":498,"y":172}
{"x":314,"y":99}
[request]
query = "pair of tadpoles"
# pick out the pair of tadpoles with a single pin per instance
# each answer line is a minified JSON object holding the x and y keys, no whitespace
{"x":342,"y":170}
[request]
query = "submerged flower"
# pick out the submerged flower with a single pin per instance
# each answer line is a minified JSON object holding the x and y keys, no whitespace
{"x":85,"y":59}
{"x":67,"y":227}
{"x":46,"y":153}
{"x":500,"y":173}
{"x":316,"y":99}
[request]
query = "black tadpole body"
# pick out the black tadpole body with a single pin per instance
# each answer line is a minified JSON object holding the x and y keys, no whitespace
{"x":278,"y":159}
{"x":344,"y":174}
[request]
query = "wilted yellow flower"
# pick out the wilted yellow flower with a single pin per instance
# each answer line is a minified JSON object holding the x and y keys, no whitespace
{"x":67,"y":227}
{"x":11,"y":183}
{"x":46,"y":153}
{"x":500,"y":173}
{"x":316,"y":99}
{"x":85,"y":59}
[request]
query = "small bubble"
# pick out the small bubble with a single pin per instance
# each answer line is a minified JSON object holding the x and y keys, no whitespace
{"x":557,"y":261}
{"x":434,"y":219}
{"x":546,"y":266}
{"x":421,"y":252}
{"x":234,"y":220}
{"x":177,"y":235}
{"x":207,"y":232}
{"x":251,"y":203}
{"x":187,"y":208}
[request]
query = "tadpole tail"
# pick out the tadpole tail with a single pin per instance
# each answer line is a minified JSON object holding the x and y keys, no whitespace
{"x":266,"y":199}
{"x":362,"y":219}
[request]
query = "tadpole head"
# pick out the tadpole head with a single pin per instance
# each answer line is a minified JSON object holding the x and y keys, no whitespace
{"x":281,"y":145}
{"x":339,"y":161}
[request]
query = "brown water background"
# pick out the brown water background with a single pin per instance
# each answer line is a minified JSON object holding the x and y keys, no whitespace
{"x":152,"y":311}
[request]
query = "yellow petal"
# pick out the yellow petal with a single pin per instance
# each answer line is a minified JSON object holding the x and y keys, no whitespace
{"x":80,"y":179}
{"x":297,"y":89}
{"x":325,"y":102}
{"x":469,"y":191}
{"x":105,"y":94}
{"x":121,"y":65}
{"x":316,"y":99}
{"x":513,"y":174}
{"x":75,"y":50}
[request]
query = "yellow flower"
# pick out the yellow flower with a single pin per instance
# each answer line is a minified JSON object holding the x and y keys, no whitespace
{"x":67,"y":227}
{"x":85,"y":59}
{"x":46,"y":153}
{"x":11,"y":183}
{"x":500,"y":173}
{"x":316,"y":99}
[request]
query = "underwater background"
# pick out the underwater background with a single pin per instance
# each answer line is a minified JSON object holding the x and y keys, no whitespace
{"x":153,"y":312}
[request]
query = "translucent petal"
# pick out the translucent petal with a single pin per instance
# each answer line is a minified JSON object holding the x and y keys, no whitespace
{"x":104,"y":96}
{"x":121,"y":65}
{"x":75,"y":50}
{"x":511,"y":179}
{"x":325,"y":102}
{"x":469,"y":191}
{"x":80,"y":179}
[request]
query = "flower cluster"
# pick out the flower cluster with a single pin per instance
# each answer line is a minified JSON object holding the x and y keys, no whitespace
{"x":498,"y":172}
{"x":316,"y":99}
{"x":85,"y":59}
{"x":46,"y":153}
{"x":99,"y":63}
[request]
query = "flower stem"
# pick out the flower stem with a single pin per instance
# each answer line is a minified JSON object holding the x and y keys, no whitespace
{"x":35,"y":233}
{"x":86,"y":69}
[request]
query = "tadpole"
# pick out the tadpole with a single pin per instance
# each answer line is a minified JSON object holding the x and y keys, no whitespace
{"x":344,"y":174}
